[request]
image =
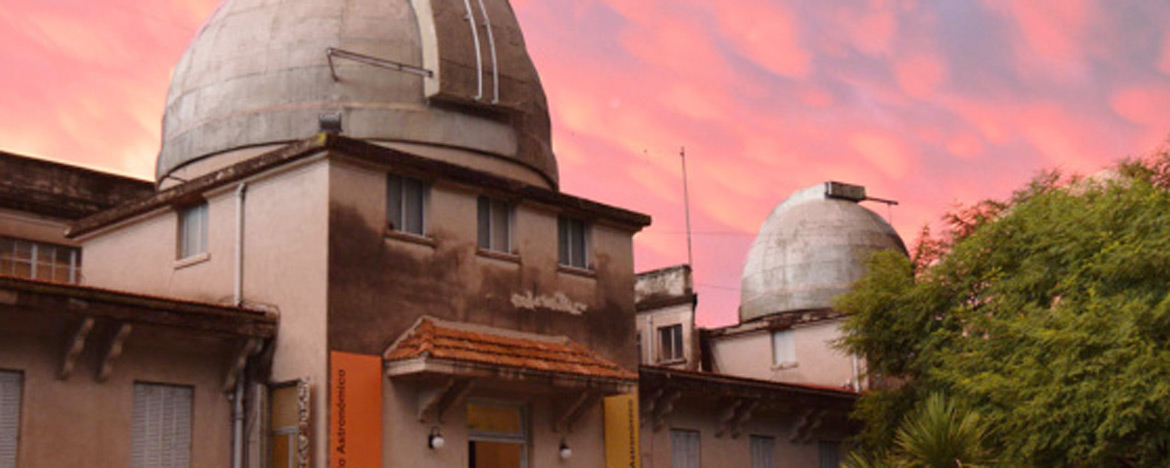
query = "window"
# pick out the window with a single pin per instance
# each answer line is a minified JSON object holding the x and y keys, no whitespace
{"x":762,"y":449}
{"x":641,"y":355}
{"x":10,"y":388}
{"x":405,"y":204}
{"x":495,"y":225}
{"x":497,"y":435}
{"x":783,"y":347}
{"x":830,"y":454}
{"x":193,"y":230}
{"x":573,"y":240}
{"x":283,"y":420}
{"x":161,"y":434}
{"x":38,"y":260}
{"x":684,"y":448}
{"x":670,"y":343}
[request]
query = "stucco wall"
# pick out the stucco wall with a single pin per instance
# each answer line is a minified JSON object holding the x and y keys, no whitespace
{"x":380,"y":284}
{"x":728,"y":451}
{"x":817,"y":362}
{"x":32,"y":227}
{"x":404,"y":437}
{"x":651,"y":320}
{"x":285,"y":248}
{"x":83,"y":422}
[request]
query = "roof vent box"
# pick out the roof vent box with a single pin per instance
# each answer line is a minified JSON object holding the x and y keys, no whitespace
{"x":844,"y":191}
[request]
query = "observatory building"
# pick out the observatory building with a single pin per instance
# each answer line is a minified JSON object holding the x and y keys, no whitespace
{"x":355,"y":254}
{"x":771,"y":390}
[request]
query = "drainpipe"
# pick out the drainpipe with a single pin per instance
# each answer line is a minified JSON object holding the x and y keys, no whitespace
{"x":238,"y":294}
{"x":856,"y":374}
{"x":238,"y":300}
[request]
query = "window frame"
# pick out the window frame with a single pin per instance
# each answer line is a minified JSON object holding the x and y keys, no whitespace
{"x":674,"y":452}
{"x":190,"y":418}
{"x":202,"y":212}
{"x":491,"y":203}
{"x":676,"y":343}
{"x":399,"y":225}
{"x":34,"y":262}
{"x":777,"y":338}
{"x":521,"y":437}
{"x":566,"y":247}
{"x":764,"y":442}
{"x":17,"y":418}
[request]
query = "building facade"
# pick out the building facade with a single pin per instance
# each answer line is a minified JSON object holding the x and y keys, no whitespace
{"x":772,"y":390}
{"x":355,"y":253}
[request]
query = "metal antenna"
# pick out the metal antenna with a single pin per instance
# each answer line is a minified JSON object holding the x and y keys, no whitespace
{"x":682,"y":152}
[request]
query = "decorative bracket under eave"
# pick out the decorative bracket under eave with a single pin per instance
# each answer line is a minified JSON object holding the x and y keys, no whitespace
{"x":435,"y":400}
{"x":736,"y":416}
{"x":808,"y":422}
{"x":114,"y":342}
{"x":238,"y":360}
{"x":73,"y":347}
{"x":566,"y":416}
{"x":659,"y":406}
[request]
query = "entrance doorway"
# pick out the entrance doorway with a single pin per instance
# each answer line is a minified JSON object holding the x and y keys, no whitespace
{"x":497,"y":435}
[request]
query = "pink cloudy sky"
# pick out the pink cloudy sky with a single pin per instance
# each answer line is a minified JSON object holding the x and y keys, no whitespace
{"x":928,"y":103}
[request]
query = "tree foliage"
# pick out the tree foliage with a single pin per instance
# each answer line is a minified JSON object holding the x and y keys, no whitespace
{"x":1048,"y":314}
{"x":938,"y":434}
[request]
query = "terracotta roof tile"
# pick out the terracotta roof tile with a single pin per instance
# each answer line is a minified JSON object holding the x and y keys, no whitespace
{"x":428,"y":340}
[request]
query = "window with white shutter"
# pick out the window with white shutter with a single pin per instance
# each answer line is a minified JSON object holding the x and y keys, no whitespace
{"x":10,"y":388}
{"x":684,"y":448}
{"x":762,"y":449}
{"x":162,"y":426}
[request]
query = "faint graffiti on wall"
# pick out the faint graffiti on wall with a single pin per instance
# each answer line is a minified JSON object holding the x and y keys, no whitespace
{"x":557,"y":302}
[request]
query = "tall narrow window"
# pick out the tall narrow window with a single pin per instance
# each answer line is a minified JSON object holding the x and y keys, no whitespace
{"x":497,"y":435}
{"x":830,"y":454}
{"x":783,"y":347}
{"x":193,"y":230}
{"x":161,"y":432}
{"x":405,"y":204}
{"x":10,"y":388}
{"x":495,"y":225}
{"x":284,"y":417}
{"x":684,"y":448}
{"x":39,"y":260}
{"x":670,"y":343}
{"x":762,"y":449}
{"x":573,"y":240}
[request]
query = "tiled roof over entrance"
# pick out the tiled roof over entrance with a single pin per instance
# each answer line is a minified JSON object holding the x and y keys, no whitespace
{"x":434,"y":340}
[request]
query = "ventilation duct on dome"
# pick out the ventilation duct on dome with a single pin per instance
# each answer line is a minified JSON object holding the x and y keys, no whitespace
{"x":844,"y":191}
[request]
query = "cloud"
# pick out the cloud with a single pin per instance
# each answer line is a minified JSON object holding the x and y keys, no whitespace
{"x":924,"y":102}
{"x":920,"y":75}
{"x":767,"y":34}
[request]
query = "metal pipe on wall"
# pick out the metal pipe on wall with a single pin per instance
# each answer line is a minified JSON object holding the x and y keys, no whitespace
{"x":238,"y":299}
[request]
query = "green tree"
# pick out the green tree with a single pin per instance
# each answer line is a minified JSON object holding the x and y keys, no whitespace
{"x":1048,"y":314}
{"x":938,"y":434}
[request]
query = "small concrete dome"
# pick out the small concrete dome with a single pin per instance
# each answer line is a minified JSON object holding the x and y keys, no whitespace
{"x":257,"y":74}
{"x":810,"y":249}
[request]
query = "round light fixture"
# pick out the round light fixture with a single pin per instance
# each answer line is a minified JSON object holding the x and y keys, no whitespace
{"x":566,"y":452}
{"x":435,"y":439}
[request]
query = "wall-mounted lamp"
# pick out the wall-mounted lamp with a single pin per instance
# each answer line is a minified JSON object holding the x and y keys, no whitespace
{"x":435,"y":439}
{"x":566,"y":452}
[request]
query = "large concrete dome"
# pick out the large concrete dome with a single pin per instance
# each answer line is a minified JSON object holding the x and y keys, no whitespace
{"x":257,"y":74}
{"x":810,"y":249}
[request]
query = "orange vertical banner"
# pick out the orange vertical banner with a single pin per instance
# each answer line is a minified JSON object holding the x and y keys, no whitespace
{"x":355,"y":410}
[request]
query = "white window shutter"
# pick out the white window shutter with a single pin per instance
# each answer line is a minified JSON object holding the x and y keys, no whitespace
{"x":684,"y":446}
{"x":161,"y":426}
{"x":10,"y":388}
{"x":762,"y":450}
